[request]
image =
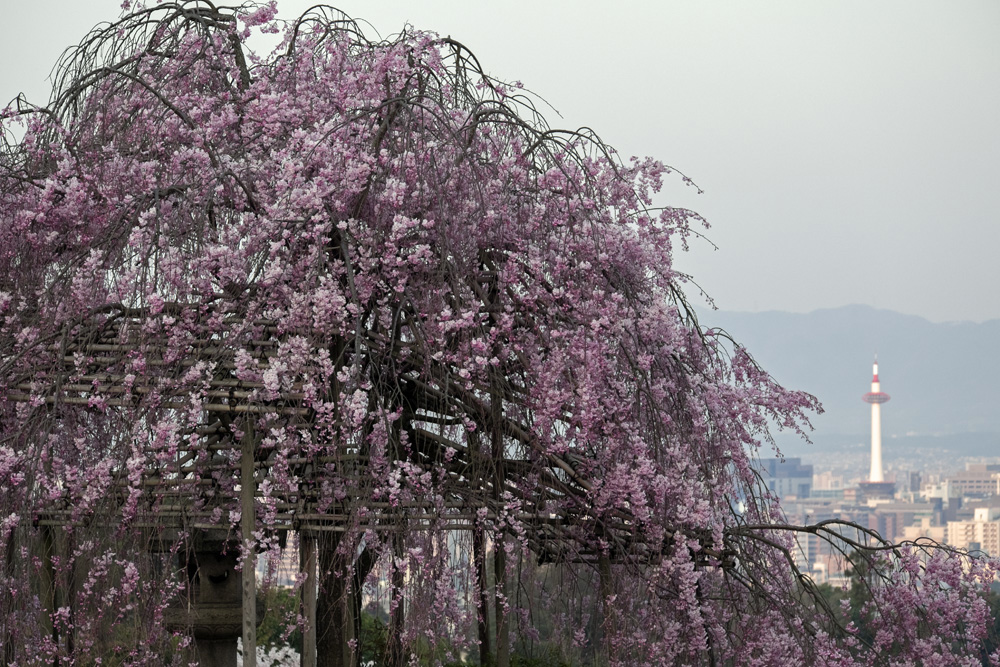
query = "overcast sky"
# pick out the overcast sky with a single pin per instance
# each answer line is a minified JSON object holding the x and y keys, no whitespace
{"x":849,"y":150}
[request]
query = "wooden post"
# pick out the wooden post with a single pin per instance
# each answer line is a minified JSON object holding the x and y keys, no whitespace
{"x":47,"y":585}
{"x":248,"y":518}
{"x":499,"y":553}
{"x":9,"y":657}
{"x":607,"y":590}
{"x":482,"y":601}
{"x":67,"y":597}
{"x":349,"y":636}
{"x":307,"y":564}
{"x":503,"y":620}
{"x":397,"y":606}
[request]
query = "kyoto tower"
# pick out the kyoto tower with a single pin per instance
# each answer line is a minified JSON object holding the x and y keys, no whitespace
{"x":876,"y":398}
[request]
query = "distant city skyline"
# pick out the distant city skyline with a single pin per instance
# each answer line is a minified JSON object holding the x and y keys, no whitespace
{"x":941,"y":376}
{"x":848,"y":150}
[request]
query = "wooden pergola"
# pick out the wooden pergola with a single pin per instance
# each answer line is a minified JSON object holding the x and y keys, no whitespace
{"x":221,"y":466}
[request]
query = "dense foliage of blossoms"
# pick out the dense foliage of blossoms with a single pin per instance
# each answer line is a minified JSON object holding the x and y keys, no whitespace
{"x":449,"y":329}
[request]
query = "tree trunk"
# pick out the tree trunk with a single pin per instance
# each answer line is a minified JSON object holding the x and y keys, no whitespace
{"x":362,"y":568}
{"x":332,"y":619}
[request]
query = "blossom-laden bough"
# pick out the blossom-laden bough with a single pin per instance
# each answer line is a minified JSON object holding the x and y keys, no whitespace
{"x":439,"y":342}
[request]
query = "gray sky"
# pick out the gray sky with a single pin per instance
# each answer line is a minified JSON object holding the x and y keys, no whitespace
{"x":849,"y":149}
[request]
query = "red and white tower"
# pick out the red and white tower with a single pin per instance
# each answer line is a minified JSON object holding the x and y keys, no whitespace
{"x":876,"y":397}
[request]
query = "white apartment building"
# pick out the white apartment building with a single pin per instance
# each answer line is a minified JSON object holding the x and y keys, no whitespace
{"x":982,"y":532}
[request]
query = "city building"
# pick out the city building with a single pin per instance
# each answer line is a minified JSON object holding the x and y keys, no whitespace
{"x":787,"y":478}
{"x":982,"y":532}
{"x":978,"y":479}
{"x":927,"y":528}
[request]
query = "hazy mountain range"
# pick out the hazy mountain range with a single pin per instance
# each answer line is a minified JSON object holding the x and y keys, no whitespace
{"x":944,"y":379}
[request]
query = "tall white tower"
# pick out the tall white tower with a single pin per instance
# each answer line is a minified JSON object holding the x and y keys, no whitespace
{"x":876,"y":397}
